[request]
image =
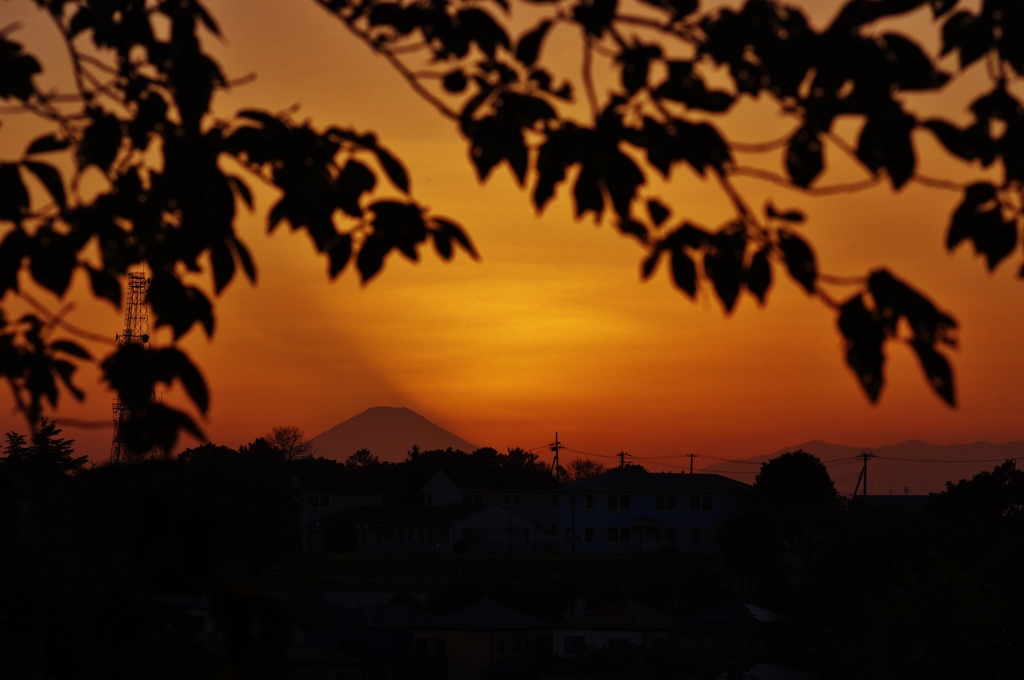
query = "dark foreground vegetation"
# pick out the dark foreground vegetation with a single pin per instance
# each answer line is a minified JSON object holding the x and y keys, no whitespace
{"x":89,"y":556}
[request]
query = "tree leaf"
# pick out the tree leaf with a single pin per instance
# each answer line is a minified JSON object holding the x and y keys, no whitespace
{"x":804,"y":160}
{"x":865,"y":337}
{"x":658,"y":212}
{"x":51,"y":179}
{"x":13,"y":194}
{"x":47,"y":143}
{"x":684,"y":272}
{"x":937,"y":369}
{"x":649,"y":264}
{"x":105,"y":285}
{"x":339,"y":252}
{"x":528,"y":47}
{"x":799,"y":259}
{"x":759,"y":274}
{"x":454,"y":81}
{"x":394,"y":169}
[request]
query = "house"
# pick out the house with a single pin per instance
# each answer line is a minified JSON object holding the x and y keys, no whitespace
{"x":619,"y":661}
{"x":531,"y":492}
{"x":725,"y":636}
{"x":381,"y":635}
{"x":484,"y":639}
{"x":456,"y":528}
{"x":620,"y":621}
{"x":323,"y":495}
{"x":631,"y":510}
{"x":476,"y":528}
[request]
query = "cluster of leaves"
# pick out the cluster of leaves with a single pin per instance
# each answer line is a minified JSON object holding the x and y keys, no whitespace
{"x":660,"y":116}
{"x":165,"y":178}
{"x":139,"y":123}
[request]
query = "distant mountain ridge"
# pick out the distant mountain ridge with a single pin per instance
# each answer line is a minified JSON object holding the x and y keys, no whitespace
{"x":388,"y":432}
{"x":913,"y":466}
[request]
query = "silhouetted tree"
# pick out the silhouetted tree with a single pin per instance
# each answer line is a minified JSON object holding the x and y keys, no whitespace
{"x":48,"y":458}
{"x":361,"y":459}
{"x":582,"y":468}
{"x":138,"y":119}
{"x":795,"y":480}
{"x":291,"y":441}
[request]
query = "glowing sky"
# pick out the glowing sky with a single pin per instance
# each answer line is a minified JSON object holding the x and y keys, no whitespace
{"x":552,"y":329}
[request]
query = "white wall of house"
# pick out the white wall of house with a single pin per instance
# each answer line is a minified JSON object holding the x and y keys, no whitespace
{"x":612,"y":521}
{"x":440,"y":491}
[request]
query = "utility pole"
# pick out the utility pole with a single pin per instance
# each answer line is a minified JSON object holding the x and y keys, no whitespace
{"x":864,"y":456}
{"x":691,"y":456}
{"x":555,"y":446}
{"x":622,"y":459}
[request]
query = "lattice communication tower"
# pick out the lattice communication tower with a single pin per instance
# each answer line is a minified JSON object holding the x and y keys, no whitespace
{"x":136,"y":332}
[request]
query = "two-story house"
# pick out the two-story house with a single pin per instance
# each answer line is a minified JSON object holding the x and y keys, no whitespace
{"x":630,"y":510}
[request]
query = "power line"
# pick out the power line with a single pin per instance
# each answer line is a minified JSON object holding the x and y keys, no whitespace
{"x":936,"y":460}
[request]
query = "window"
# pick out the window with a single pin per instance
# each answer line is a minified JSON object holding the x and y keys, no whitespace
{"x":694,"y":535}
{"x":319,"y":501}
{"x":588,"y":534}
{"x":701,"y":503}
{"x":664,"y":502}
{"x":517,"y":644}
{"x":618,"y":501}
{"x":619,"y":535}
{"x":709,"y":535}
{"x":573,"y":644}
{"x":554,"y":500}
{"x":314,"y":501}
{"x":506,"y":499}
{"x":501,"y":644}
{"x":588,"y":502}
{"x":670,"y":535}
{"x":517,"y":499}
{"x":430,"y":500}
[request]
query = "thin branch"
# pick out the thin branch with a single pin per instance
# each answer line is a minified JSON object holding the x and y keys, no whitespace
{"x":57,"y":320}
{"x":736,"y":199}
{"x":763,"y":147}
{"x":842,"y":280}
{"x":410,"y":78}
{"x":936,"y":183}
{"x":588,"y":75}
{"x":832,"y":190}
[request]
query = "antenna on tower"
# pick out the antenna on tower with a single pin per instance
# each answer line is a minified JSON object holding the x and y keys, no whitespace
{"x":136,"y":332}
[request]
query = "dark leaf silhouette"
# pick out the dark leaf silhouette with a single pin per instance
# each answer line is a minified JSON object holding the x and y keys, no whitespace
{"x":799,"y":259}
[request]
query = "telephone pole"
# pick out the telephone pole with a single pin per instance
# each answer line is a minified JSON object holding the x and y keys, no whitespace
{"x":864,"y":456}
{"x":555,"y":446}
{"x":691,"y":456}
{"x":622,"y":459}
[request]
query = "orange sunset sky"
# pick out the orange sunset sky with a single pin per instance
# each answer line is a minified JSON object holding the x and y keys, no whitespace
{"x":552,"y":329}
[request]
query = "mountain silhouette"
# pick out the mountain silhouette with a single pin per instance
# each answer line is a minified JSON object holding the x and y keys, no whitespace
{"x":388,"y":432}
{"x":913,"y":466}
